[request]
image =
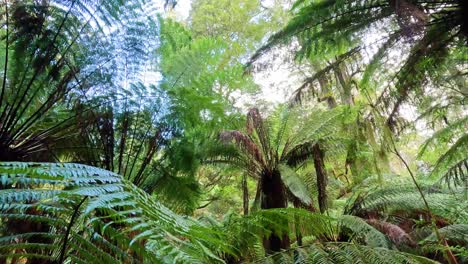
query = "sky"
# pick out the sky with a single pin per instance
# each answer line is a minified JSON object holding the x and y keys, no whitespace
{"x":183,"y":8}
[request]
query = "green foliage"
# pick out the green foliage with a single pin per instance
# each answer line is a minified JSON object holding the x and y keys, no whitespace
{"x":76,"y":86}
{"x":342,"y":253}
{"x":323,"y":232}
{"x":451,"y":166}
{"x":428,"y":37}
{"x":242,"y":23}
{"x":407,"y":201}
{"x":295,"y":185}
{"x":279,"y":144}
{"x":199,"y":77}
{"x":54,"y":55}
{"x":456,"y":235}
{"x":88,"y":213}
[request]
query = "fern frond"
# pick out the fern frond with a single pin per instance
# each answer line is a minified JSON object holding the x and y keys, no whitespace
{"x":452,"y":160}
{"x":402,"y":200}
{"x":444,"y":135}
{"x":457,"y":174}
{"x":361,"y":231}
{"x":294,"y":184}
{"x":115,"y":221}
{"x":456,"y":236}
{"x":340,"y":252}
{"x":457,"y":233}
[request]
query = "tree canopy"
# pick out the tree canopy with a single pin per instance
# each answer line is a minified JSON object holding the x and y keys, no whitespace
{"x":132,"y":134}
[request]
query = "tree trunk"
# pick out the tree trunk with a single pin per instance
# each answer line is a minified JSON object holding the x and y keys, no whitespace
{"x":344,"y":82}
{"x":326,"y":92}
{"x":464,"y":12}
{"x":274,"y":196}
{"x":245,"y":195}
{"x":321,"y":177}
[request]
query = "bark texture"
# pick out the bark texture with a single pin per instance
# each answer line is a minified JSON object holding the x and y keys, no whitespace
{"x":322,"y":179}
{"x":274,"y":196}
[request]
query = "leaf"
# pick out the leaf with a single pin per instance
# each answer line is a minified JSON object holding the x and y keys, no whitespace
{"x":295,"y":184}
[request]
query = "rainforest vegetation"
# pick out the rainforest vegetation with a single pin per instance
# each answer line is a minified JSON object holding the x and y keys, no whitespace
{"x":243,"y":131}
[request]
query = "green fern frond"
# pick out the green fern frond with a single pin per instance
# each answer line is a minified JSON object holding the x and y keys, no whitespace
{"x":444,"y":135}
{"x":320,"y":124}
{"x":453,"y":159}
{"x":340,"y":252}
{"x":457,"y":175}
{"x":404,"y":200}
{"x":315,"y":21}
{"x":245,"y":232}
{"x":295,"y":185}
{"x":360,"y":231}
{"x":457,"y":233}
{"x":456,"y":236}
{"x":115,"y":220}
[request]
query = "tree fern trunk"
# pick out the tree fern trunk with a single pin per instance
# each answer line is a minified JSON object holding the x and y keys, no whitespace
{"x":343,"y":79}
{"x":274,"y":196}
{"x":464,"y":13}
{"x":321,"y":177}
{"x":245,"y":195}
{"x":326,"y":92}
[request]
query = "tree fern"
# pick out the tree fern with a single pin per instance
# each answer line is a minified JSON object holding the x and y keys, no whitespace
{"x":404,"y":200}
{"x":333,"y":252}
{"x":53,"y":58}
{"x":456,"y":236}
{"x":455,"y":233}
{"x":245,"y":232}
{"x":88,"y":213}
{"x":272,"y":145}
{"x":451,"y":165}
{"x":428,"y":35}
{"x":199,"y":75}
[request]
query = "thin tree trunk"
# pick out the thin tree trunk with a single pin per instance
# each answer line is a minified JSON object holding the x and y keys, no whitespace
{"x":321,"y":177}
{"x":297,"y":204}
{"x":464,"y":7}
{"x":326,"y":92}
{"x":345,"y":84}
{"x":245,"y":195}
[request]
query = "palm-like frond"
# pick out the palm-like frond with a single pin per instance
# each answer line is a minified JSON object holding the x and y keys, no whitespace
{"x":319,"y":230}
{"x":53,"y":57}
{"x":455,"y":233}
{"x":457,"y":174}
{"x":85,"y":213}
{"x":179,"y":192}
{"x":271,"y":145}
{"x":360,"y":231}
{"x":339,"y":252}
{"x":430,"y":35}
{"x":451,"y":166}
{"x":320,"y":126}
{"x":125,"y":137}
{"x":295,"y":184}
{"x":199,"y":76}
{"x":403,"y":200}
{"x":456,"y":236}
{"x":246,"y":231}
